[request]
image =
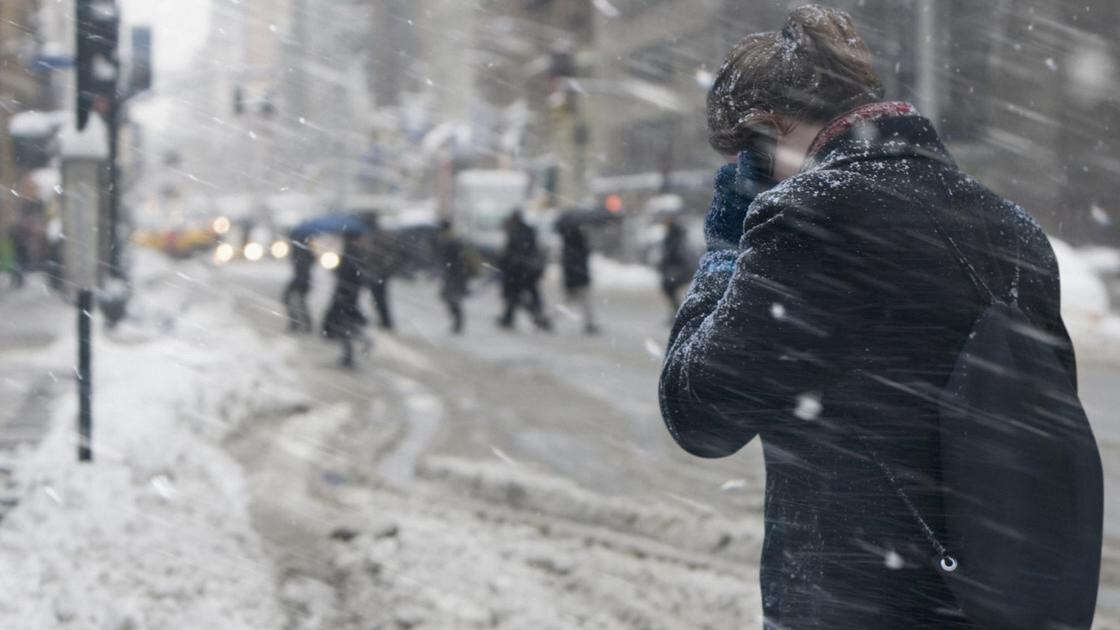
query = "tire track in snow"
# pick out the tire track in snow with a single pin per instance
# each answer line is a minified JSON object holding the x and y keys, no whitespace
{"x":424,"y":415}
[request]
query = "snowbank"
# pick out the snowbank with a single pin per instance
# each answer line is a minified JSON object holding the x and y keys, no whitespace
{"x":1083,"y":292}
{"x":701,"y":530}
{"x":155,"y":533}
{"x":1095,"y":329}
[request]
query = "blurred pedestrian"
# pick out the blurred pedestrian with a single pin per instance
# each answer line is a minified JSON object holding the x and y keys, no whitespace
{"x":575,"y":255}
{"x":828,"y":315}
{"x":55,"y":244}
{"x":20,"y":236}
{"x":344,"y":321}
{"x":522,"y":264}
{"x":295,"y":293}
{"x":381,"y":263}
{"x":675,"y":264}
{"x":456,"y":267}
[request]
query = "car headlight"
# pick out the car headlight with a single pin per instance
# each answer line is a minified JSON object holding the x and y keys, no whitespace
{"x":253,"y":251}
{"x":280,"y":249}
{"x":223,"y":253}
{"x":329,"y":260}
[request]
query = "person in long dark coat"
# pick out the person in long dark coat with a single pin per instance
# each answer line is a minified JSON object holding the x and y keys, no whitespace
{"x":829,"y":304}
{"x":295,"y":293}
{"x":522,"y":265}
{"x":381,"y":264}
{"x":455,"y":273}
{"x":675,"y":266}
{"x":575,"y":258}
{"x":344,"y":320}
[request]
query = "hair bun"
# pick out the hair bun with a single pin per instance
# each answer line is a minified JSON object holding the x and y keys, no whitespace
{"x":813,"y":24}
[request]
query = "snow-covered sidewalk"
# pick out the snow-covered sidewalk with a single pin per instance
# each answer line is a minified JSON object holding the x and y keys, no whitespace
{"x":155,"y":532}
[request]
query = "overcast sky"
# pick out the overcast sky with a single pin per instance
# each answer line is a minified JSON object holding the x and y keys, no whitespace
{"x":178,"y":29}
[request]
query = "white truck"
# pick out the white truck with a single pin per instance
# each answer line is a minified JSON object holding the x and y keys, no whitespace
{"x":483,"y":198}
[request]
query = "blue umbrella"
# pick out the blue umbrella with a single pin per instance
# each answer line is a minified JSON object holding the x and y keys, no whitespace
{"x":328,"y":224}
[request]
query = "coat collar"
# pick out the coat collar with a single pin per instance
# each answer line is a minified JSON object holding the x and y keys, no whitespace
{"x":891,"y":129}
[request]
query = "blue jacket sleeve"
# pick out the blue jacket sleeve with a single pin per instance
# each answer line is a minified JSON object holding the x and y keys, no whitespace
{"x":750,"y":341}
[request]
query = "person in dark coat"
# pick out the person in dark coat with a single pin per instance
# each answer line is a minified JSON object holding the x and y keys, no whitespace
{"x":344,"y":320}
{"x":575,"y":256}
{"x":455,"y":272}
{"x":522,"y":265}
{"x":19,"y":235}
{"x":295,"y":293}
{"x":829,"y":304}
{"x":380,"y":267}
{"x":675,"y":266}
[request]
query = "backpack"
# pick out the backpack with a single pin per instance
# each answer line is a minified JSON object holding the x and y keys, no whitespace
{"x":1022,"y":484}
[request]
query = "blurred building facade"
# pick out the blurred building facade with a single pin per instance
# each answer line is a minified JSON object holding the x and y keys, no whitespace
{"x":486,"y":84}
{"x":23,"y":86}
{"x":610,"y":94}
{"x":26,"y":187}
{"x":275,"y":101}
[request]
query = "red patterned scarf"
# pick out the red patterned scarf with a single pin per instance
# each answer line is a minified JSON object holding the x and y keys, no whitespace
{"x":871,"y":111}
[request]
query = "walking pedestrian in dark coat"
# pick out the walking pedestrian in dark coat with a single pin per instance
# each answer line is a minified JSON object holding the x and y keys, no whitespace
{"x":455,"y":273}
{"x":522,"y":265}
{"x":344,"y":320}
{"x":19,"y":234}
{"x":829,"y":304}
{"x":675,"y":265}
{"x":381,"y":263}
{"x":575,"y":258}
{"x":295,"y":293}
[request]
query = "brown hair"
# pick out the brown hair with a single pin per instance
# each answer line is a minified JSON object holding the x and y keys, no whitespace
{"x":816,"y":68}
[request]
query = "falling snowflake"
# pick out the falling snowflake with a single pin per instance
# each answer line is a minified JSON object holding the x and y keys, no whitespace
{"x":809,"y":407}
{"x":1100,"y":215}
{"x":893,"y":561}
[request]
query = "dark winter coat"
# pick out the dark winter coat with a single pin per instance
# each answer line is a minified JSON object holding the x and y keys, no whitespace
{"x":344,"y":317}
{"x":575,"y":255}
{"x":383,"y":258}
{"x":454,"y":268}
{"x":675,"y":266}
{"x":303,"y":259}
{"x":843,"y":308}
{"x":522,"y":262}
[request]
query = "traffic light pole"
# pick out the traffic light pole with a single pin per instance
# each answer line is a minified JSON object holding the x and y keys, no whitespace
{"x":85,"y":376}
{"x":113,"y":189}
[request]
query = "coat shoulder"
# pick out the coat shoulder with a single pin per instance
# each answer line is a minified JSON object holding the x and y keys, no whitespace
{"x":823,"y":198}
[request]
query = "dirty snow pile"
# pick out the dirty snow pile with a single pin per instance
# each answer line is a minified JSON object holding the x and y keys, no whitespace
{"x":448,"y":563}
{"x":155,"y":533}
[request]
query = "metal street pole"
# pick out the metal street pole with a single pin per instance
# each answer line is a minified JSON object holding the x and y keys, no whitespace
{"x":83,"y":167}
{"x":85,"y":376}
{"x":113,"y":189}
